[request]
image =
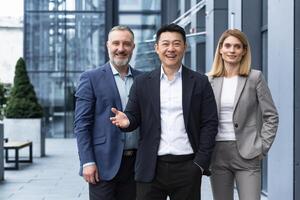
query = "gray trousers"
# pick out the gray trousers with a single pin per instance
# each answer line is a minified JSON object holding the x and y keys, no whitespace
{"x":228,"y":167}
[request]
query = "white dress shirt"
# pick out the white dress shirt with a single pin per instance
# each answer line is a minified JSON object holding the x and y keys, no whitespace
{"x":174,"y":139}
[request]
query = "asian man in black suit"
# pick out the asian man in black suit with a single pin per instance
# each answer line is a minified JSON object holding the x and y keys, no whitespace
{"x":177,"y":115}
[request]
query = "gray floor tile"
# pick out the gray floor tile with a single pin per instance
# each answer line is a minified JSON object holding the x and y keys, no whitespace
{"x":55,"y":177}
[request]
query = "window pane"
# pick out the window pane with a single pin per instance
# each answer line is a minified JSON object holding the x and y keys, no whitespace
{"x":137,"y":5}
{"x":69,"y":5}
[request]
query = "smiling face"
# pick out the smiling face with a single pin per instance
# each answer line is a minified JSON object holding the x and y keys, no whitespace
{"x":232,"y":51}
{"x":170,"y":48}
{"x":120,"y":46}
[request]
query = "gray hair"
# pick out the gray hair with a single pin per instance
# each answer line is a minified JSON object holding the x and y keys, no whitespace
{"x":122,"y":28}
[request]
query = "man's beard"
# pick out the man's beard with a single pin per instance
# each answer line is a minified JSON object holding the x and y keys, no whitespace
{"x":119,"y":62}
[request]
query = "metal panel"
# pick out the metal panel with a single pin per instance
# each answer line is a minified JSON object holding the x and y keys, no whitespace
{"x":170,"y":8}
{"x":252,"y":27}
{"x":297,"y":101}
{"x":281,"y":82}
{"x":216,"y":24}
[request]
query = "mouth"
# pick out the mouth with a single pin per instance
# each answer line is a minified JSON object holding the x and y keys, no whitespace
{"x":121,"y":55}
{"x":171,"y":56}
{"x":231,"y":56}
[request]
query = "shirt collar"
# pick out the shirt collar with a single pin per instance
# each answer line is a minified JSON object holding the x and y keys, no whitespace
{"x":177,"y":74}
{"x":115,"y":71}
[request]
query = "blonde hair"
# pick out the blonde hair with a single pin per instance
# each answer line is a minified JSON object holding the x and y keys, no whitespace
{"x":218,"y":68}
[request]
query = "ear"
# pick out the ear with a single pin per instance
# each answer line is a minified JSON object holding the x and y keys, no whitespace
{"x":185,"y":46}
{"x":156,"y":48}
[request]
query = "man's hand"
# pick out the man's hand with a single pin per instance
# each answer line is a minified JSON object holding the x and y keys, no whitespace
{"x":90,"y":174}
{"x":120,"y":119}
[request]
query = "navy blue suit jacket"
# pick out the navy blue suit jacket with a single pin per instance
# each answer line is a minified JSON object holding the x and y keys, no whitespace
{"x":199,"y":113}
{"x":98,"y":139}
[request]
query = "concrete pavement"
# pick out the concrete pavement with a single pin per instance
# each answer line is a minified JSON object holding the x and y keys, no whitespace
{"x":55,"y":177}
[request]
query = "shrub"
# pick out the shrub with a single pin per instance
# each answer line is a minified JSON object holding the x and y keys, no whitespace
{"x":2,"y":100}
{"x":22,"y":101}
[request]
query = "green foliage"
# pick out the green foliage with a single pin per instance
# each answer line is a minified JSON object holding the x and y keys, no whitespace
{"x":2,"y":95}
{"x":22,"y":102}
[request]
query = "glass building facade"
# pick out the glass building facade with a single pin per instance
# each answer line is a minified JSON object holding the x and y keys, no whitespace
{"x":63,"y":38}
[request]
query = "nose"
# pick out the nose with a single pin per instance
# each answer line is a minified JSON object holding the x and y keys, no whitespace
{"x":171,"y":47}
{"x":121,"y":47}
{"x":232,"y":49}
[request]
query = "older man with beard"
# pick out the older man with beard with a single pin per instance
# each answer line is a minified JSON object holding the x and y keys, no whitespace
{"x":106,"y":154}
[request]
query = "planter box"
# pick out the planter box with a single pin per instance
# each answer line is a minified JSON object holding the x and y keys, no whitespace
{"x":26,"y":130}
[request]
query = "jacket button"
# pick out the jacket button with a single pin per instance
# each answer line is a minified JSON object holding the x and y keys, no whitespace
{"x":236,"y":125}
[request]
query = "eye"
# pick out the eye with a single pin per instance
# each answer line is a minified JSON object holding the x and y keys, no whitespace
{"x":237,"y":46}
{"x":177,"y":44}
{"x":115,"y":43}
{"x":227,"y":45}
{"x":127,"y":44}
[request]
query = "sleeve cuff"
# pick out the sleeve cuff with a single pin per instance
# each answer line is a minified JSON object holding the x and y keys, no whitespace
{"x":88,"y":164}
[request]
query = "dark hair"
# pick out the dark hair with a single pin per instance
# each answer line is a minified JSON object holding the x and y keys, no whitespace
{"x":170,"y":28}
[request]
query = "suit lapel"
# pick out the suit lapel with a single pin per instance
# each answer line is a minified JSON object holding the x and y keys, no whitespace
{"x":134,"y":72}
{"x":113,"y":86}
{"x":240,"y":86}
{"x":187,"y":91}
{"x":216,"y":84}
{"x":154,"y":88}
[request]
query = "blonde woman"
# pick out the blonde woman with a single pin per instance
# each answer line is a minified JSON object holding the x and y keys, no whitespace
{"x":248,"y":119}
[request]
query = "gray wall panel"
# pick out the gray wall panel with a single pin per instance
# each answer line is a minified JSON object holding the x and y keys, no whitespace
{"x":281,"y":83}
{"x":169,"y":8}
{"x":216,"y":24}
{"x":297,"y":100}
{"x":251,"y":25}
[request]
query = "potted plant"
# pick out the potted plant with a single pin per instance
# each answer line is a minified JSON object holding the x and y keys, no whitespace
{"x":23,"y":113}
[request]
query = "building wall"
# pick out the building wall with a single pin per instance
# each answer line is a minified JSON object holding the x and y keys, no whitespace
{"x":11,"y":48}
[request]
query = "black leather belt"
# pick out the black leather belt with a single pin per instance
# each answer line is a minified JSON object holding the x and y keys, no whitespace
{"x":176,"y":158}
{"x":129,"y":152}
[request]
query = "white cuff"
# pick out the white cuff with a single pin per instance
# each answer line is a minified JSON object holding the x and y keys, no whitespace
{"x":88,"y":164}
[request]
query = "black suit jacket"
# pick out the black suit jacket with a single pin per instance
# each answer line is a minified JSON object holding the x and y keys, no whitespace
{"x":200,"y":118}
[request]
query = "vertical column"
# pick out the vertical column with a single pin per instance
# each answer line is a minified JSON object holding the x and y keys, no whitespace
{"x":235,"y":14}
{"x":169,"y":11}
{"x":281,"y":82}
{"x":193,"y":45}
{"x":297,"y":100}
{"x":252,"y":27}
{"x":216,"y":24}
{"x":111,"y":18}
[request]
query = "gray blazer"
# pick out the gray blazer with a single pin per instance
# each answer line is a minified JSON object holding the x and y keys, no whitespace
{"x":255,"y":117}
